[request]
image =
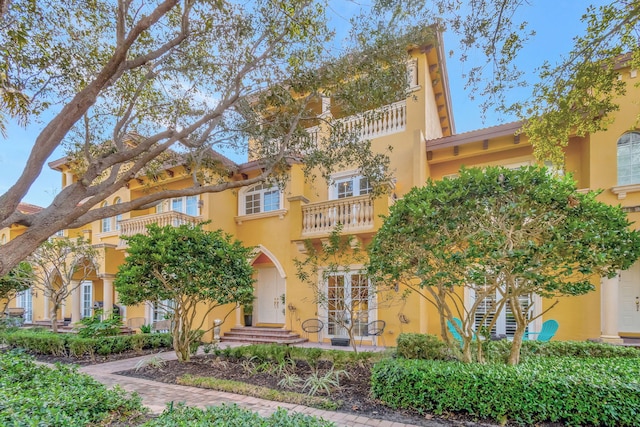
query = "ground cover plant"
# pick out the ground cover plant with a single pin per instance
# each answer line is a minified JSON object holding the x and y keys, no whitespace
{"x":37,"y":395}
{"x":232,"y":415}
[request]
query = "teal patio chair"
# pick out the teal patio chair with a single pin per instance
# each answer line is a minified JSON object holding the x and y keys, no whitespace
{"x":454,"y":332}
{"x":547,"y":332}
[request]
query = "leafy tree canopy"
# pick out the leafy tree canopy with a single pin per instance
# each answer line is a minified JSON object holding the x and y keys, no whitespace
{"x":520,"y":231}
{"x":189,"y":267}
{"x":18,"y":279}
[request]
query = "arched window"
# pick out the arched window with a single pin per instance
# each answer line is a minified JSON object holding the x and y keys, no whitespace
{"x":118,"y":217}
{"x":629,"y":158}
{"x":106,"y":222}
{"x":260,"y":198}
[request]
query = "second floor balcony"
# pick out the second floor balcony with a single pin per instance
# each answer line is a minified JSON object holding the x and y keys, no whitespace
{"x":138,"y":225}
{"x":355,"y":214}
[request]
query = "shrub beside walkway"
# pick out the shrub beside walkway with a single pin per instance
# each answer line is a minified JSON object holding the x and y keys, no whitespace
{"x":157,"y":395}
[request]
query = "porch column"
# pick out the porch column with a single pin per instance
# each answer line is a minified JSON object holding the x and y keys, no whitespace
{"x":609,"y":310}
{"x":75,"y":301}
{"x":107,"y":294}
{"x":238,"y":317}
{"x":46,"y":306}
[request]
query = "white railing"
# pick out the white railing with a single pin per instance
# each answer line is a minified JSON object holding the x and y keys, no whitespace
{"x":138,"y":225}
{"x":383,"y":121}
{"x":354,"y":213}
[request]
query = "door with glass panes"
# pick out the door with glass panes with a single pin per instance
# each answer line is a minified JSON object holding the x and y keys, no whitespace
{"x":348,"y":303}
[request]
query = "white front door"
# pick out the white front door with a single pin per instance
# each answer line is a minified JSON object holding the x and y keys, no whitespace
{"x":270,"y":288}
{"x":629,"y":300}
{"x":25,"y":300}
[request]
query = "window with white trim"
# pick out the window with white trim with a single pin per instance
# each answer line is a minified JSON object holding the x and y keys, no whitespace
{"x":505,"y":324}
{"x":349,"y":186}
{"x":162,"y":310}
{"x":189,"y":205}
{"x":259,"y":198}
{"x":629,"y":158}
{"x":118,"y":217}
{"x":106,"y":222}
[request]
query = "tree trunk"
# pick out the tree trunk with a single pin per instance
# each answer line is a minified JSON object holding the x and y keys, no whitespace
{"x":54,"y":317}
{"x":514,"y":356}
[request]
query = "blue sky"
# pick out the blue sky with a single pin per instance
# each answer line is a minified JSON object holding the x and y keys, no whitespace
{"x":555,"y":23}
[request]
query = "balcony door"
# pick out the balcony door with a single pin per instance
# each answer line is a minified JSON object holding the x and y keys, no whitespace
{"x":270,"y":288}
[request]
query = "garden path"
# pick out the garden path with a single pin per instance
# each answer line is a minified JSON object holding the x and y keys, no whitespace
{"x":156,"y":395}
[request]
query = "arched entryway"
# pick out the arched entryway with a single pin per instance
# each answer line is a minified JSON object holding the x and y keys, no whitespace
{"x":270,"y":289}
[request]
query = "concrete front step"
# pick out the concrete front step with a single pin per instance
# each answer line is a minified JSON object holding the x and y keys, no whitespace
{"x":260,"y":335}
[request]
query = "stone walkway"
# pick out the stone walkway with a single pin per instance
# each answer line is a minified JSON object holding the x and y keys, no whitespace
{"x":156,"y":395}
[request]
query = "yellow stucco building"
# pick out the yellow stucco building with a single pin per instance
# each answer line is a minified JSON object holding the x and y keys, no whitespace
{"x":277,"y":222}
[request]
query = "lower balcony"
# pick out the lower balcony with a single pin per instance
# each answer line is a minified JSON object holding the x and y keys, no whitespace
{"x":138,"y":225}
{"x":355,"y":214}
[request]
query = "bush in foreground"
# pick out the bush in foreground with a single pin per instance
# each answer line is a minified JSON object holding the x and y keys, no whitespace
{"x":232,"y":415}
{"x":36,"y":395}
{"x":574,"y":391}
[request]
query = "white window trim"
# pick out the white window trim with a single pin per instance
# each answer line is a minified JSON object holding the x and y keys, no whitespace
{"x":337,"y":177}
{"x":636,"y":145}
{"x":535,"y":325}
{"x":323,"y":286}
{"x":87,"y":284}
{"x":242,"y":207}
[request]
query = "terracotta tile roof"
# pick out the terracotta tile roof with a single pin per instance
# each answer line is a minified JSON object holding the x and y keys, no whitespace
{"x":29,"y":209}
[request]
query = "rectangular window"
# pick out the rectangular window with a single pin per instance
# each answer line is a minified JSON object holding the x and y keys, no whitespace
{"x":271,"y":201}
{"x":505,"y":324}
{"x":106,"y":225}
{"x":252,"y":203}
{"x":345,"y":188}
{"x":192,"y":205}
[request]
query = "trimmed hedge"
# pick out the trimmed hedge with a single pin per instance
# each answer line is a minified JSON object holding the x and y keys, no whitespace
{"x":573,"y":391}
{"x":72,"y":345}
{"x":36,"y":395}
{"x":430,"y":347}
{"x":232,"y":415}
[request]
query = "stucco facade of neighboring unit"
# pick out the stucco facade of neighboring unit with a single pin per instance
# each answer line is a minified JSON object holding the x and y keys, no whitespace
{"x":277,"y":222}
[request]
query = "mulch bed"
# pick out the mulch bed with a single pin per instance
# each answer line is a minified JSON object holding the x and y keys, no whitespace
{"x":353,"y":391}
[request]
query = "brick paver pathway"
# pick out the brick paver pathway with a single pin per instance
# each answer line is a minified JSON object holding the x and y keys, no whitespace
{"x":156,"y":395}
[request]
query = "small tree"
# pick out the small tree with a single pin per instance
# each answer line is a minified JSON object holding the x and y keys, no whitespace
{"x":324,"y":269}
{"x":196,"y":270}
{"x":60,"y":265}
{"x":509,"y":233}
{"x":18,"y":280}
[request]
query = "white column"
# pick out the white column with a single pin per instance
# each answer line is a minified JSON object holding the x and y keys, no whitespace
{"x":75,"y":301}
{"x":610,"y":309}
{"x":107,"y":294}
{"x":238,"y":317}
{"x":47,"y":300}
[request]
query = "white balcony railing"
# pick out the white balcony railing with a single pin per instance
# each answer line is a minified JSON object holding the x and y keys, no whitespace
{"x":383,"y":121}
{"x":138,"y":225}
{"x":354,"y":213}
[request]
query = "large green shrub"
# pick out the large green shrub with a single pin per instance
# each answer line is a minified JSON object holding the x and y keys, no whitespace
{"x":36,"y":395}
{"x":38,"y":342}
{"x":233,"y":415}
{"x":422,"y":346}
{"x":574,"y":391}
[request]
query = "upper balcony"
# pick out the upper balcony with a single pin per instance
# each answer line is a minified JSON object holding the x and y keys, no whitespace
{"x":355,"y":214}
{"x":138,"y":225}
{"x":371,"y":124}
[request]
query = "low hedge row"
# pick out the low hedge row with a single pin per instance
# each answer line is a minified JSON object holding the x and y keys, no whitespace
{"x":424,"y":346}
{"x":75,"y":346}
{"x":233,"y":415}
{"x":574,"y":391}
{"x":36,"y":395}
